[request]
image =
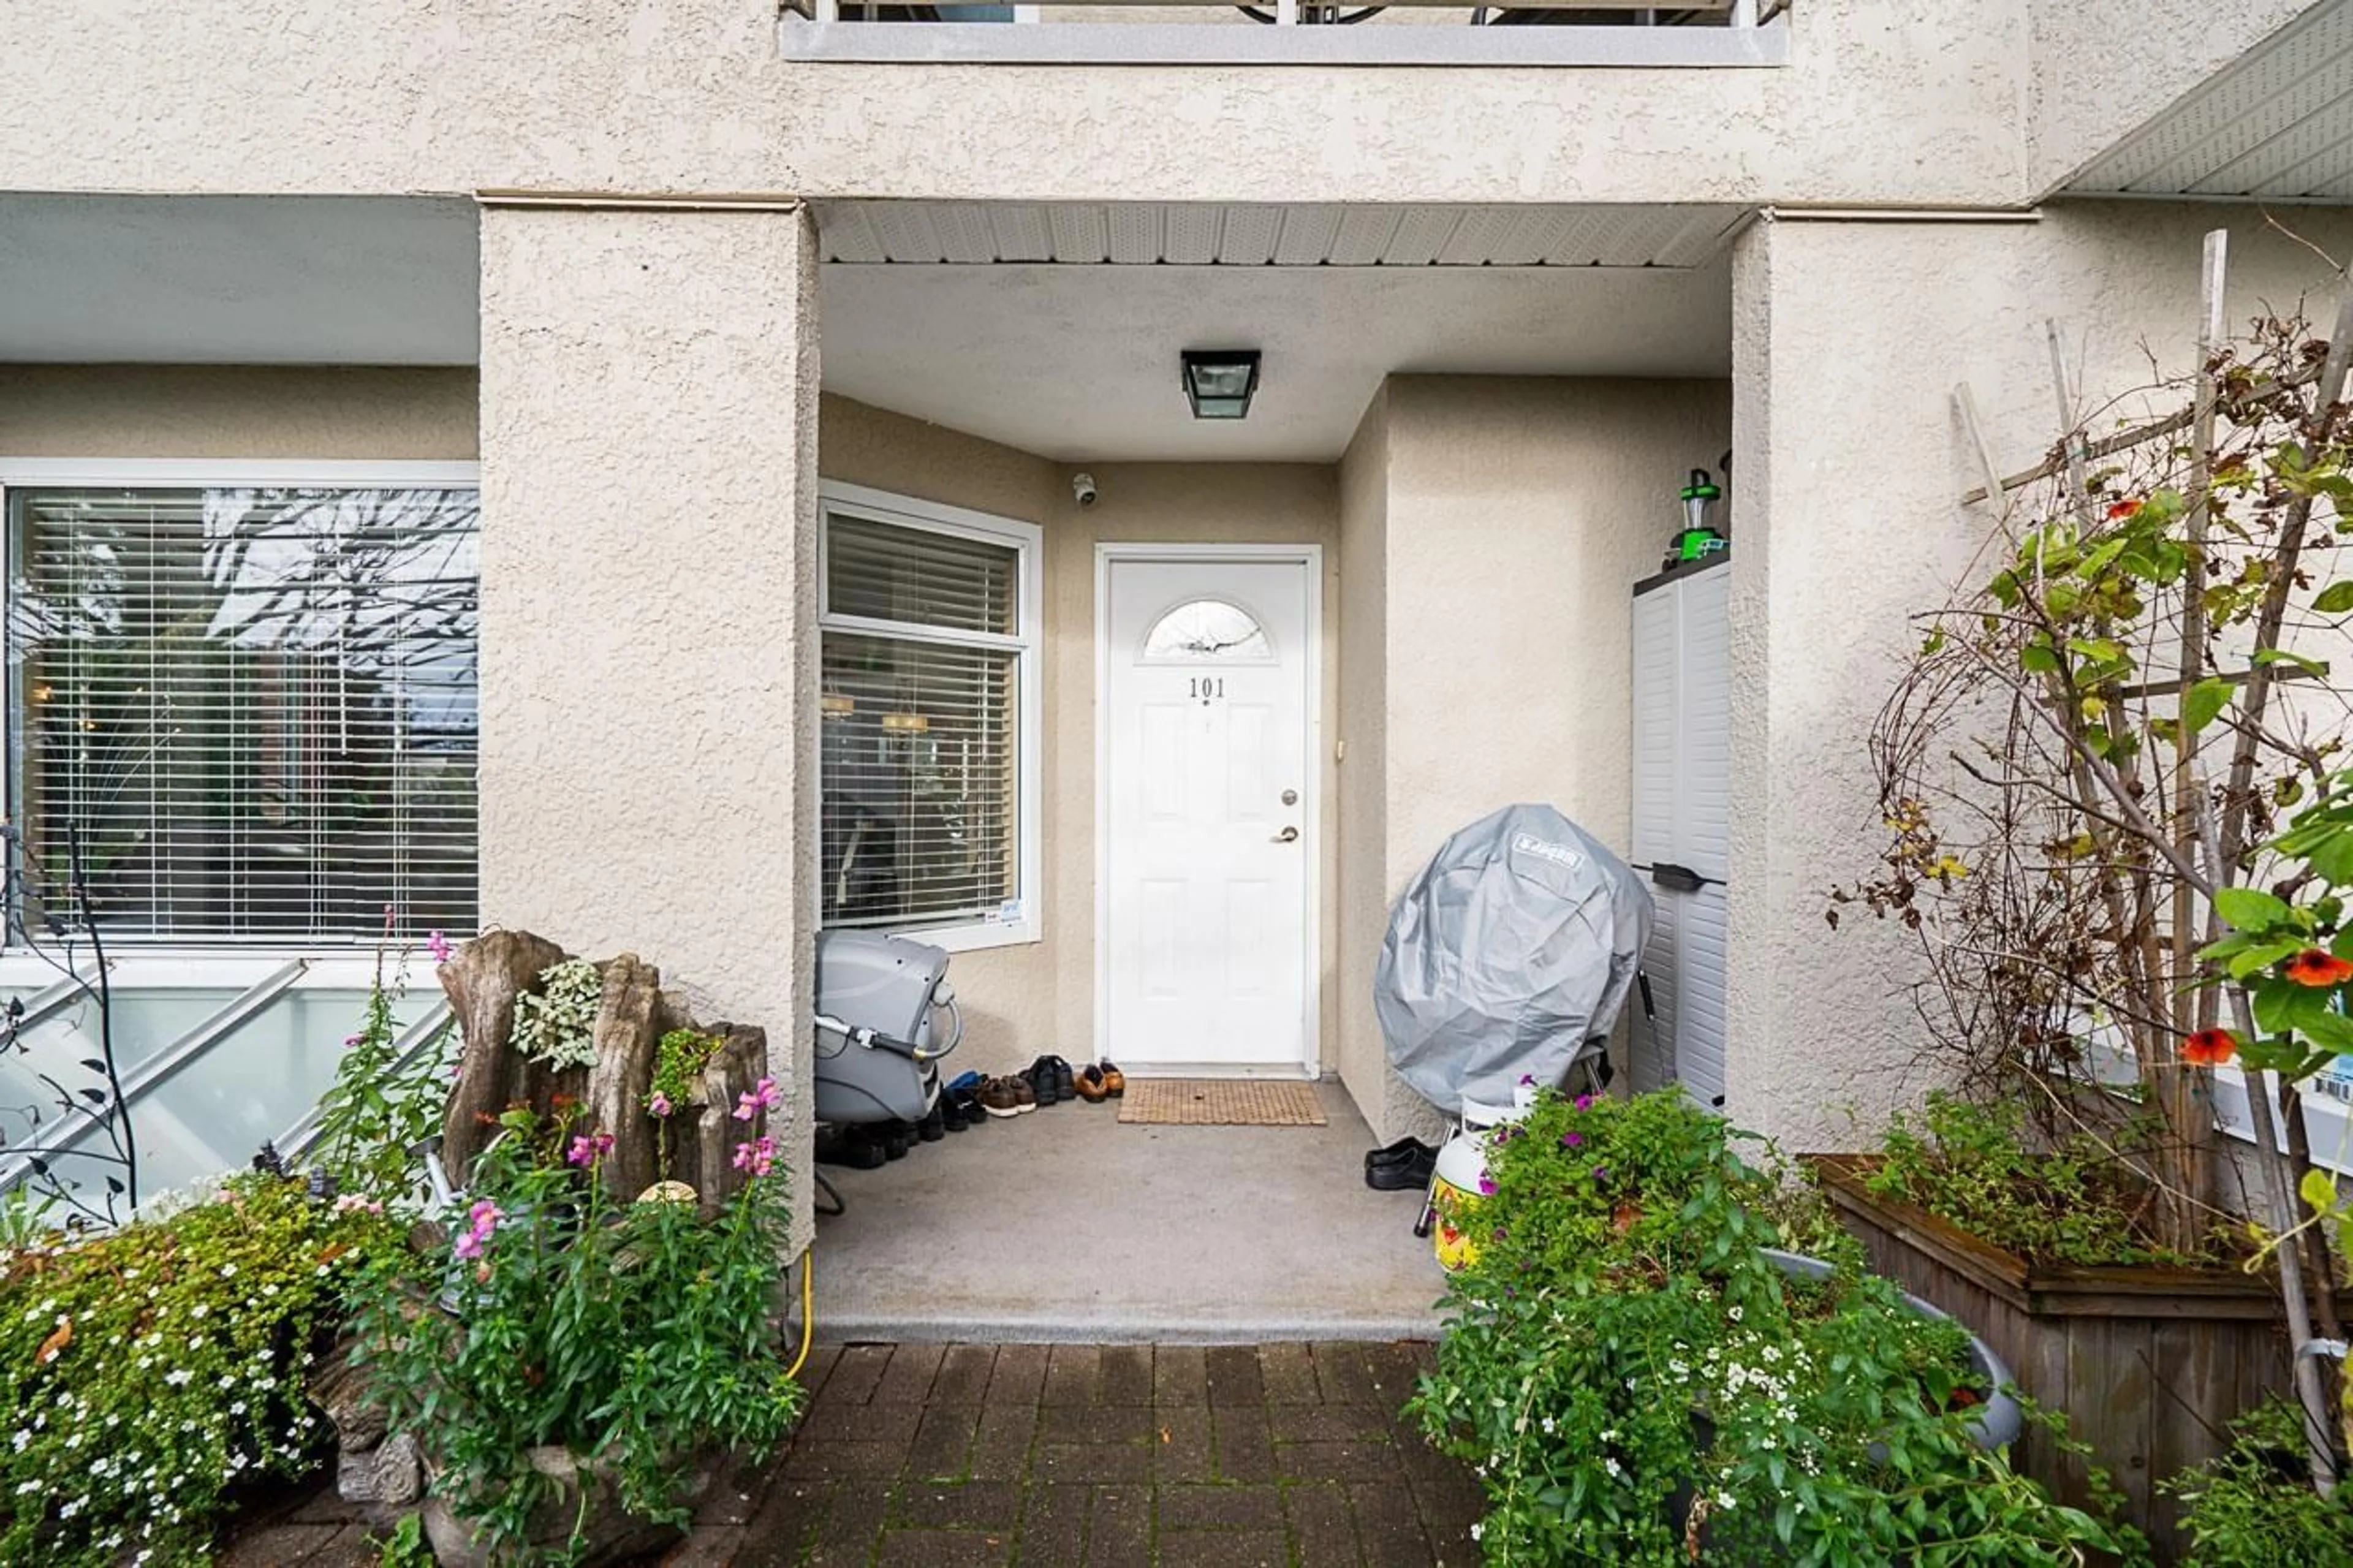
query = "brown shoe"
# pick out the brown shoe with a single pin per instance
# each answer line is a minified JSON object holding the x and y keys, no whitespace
{"x":998,"y":1097}
{"x":1114,"y":1082}
{"x":1089,"y":1082}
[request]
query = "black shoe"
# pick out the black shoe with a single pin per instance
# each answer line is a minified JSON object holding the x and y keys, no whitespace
{"x":896,"y":1138}
{"x":1402,"y":1175}
{"x":950,"y":1111}
{"x":848,"y":1146}
{"x":967,"y":1100}
{"x":933,"y":1126}
{"x":1044,"y":1081}
{"x":1403,"y":1151}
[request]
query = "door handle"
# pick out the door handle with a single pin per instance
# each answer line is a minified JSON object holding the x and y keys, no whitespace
{"x":1288,"y":835}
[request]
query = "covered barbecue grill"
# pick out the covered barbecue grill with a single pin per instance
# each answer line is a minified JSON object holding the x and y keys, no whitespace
{"x":1509,"y":955}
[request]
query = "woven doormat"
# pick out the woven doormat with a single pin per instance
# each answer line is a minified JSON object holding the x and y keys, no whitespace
{"x":1220,"y":1102}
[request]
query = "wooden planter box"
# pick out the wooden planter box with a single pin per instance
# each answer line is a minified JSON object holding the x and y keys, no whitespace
{"x":2149,"y":1365}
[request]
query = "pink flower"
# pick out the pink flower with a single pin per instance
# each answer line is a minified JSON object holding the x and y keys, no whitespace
{"x":351,"y":1040}
{"x":1571,"y":1139}
{"x":438,"y":946}
{"x":1486,"y":1186}
{"x":470,"y":1246}
{"x":588,"y":1150}
{"x":659,"y":1105}
{"x":482,"y":1219}
{"x":757,"y":1156}
{"x":764,"y":1096}
{"x":1584,"y":1102}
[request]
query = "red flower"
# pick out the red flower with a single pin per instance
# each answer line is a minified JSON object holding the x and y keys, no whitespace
{"x":2208,"y":1047}
{"x":2316,"y":967}
{"x":2122,"y":508}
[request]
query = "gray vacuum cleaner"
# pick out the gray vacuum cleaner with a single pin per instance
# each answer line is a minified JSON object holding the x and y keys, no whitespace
{"x":881,"y":1001}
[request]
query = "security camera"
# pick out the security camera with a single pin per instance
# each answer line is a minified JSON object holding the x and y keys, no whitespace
{"x":1082,"y":486}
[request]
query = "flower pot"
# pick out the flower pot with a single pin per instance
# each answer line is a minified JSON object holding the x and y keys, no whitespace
{"x":2150,"y":1364}
{"x":1996,"y":1424}
{"x":608,"y":1533}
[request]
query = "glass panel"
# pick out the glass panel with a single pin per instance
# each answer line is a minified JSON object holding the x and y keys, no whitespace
{"x":253,"y":709}
{"x":1204,"y":631}
{"x":922,"y":781}
{"x":251,"y":1086}
{"x":913,"y":575}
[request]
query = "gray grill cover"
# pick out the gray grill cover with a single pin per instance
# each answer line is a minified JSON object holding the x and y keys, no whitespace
{"x":1513,"y":950}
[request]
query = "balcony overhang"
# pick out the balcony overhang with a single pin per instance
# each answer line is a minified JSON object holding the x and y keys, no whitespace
{"x":1030,"y":42}
{"x":2275,"y":125}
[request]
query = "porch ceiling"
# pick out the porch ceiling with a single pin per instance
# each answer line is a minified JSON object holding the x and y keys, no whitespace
{"x":237,"y":279}
{"x":2276,"y":124}
{"x":1229,"y":235}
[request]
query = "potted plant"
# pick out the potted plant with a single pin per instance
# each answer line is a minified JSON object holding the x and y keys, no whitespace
{"x":1643,"y":1364}
{"x":2084,"y":771}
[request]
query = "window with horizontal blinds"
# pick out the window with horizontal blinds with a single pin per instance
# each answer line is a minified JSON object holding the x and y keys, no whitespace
{"x":920,"y":721}
{"x":253,"y":709}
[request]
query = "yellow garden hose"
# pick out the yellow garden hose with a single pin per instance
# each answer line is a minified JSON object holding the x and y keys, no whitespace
{"x":808,"y":1309}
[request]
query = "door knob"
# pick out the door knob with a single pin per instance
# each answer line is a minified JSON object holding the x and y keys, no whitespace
{"x":1288,"y":835}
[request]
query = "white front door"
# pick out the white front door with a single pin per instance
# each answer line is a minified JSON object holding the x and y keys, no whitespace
{"x":1207,"y":850}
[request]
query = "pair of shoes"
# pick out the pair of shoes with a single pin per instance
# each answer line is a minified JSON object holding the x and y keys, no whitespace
{"x":967,"y":1100}
{"x":1405,"y":1166}
{"x":1051,"y":1080}
{"x":1006,"y":1097}
{"x":848,"y":1146}
{"x":950,"y":1110}
{"x":1099,"y":1081}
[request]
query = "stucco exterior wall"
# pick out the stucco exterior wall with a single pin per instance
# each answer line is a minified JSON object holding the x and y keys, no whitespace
{"x":649,"y":681}
{"x":1518,"y":514}
{"x":1848,"y":339}
{"x":1882,"y":100}
{"x":2098,"y":74}
{"x":1029,"y":998}
{"x":1362,"y":732}
{"x":259,"y":412}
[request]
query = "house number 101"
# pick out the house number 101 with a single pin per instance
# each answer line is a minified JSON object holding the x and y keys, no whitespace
{"x":1208,"y":686}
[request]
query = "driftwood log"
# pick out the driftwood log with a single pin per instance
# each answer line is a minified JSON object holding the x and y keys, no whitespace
{"x":484,"y":977}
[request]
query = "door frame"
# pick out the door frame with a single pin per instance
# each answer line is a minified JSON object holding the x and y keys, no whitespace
{"x":1310,"y":558}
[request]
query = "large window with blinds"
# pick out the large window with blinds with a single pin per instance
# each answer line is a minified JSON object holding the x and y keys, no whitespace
{"x":927,"y":719}
{"x":246,"y":714}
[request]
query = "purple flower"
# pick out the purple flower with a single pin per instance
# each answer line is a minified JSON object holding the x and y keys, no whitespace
{"x":1528,"y":1080}
{"x":1600,"y":1172}
{"x":1584,"y":1102}
{"x":588,"y":1150}
{"x":756,"y":1156}
{"x":1486,"y":1185}
{"x":1571,"y":1139}
{"x":659,"y":1105}
{"x":764,"y":1096}
{"x":1501,"y":1231}
{"x":438,"y":945}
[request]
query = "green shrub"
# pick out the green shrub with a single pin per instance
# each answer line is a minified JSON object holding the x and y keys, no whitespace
{"x":2072,"y":1202}
{"x":152,"y":1369}
{"x":1635,"y":1383}
{"x":636,"y":1334}
{"x":2254,"y":1506}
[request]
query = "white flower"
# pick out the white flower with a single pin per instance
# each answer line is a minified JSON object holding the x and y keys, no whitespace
{"x":1477,"y":1531}
{"x":178,"y":1377}
{"x":228,"y":1270}
{"x":199,"y":1309}
{"x":1611,"y":1466}
{"x":1734,"y":1314}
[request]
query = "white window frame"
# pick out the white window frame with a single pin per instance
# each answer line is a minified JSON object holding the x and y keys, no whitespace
{"x":181,"y":960}
{"x":1027,"y":924}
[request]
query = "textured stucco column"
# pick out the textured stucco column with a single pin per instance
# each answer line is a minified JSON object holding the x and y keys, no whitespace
{"x":649,"y":425}
{"x":1848,"y":341}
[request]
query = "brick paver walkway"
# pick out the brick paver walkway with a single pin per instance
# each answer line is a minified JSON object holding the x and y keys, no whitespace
{"x":1073,"y":1456}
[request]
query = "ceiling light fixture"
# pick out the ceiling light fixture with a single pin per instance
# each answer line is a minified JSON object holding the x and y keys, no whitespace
{"x":1220,"y":383}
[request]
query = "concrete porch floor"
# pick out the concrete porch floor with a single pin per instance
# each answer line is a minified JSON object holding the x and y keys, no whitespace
{"x":1065,"y":1226}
